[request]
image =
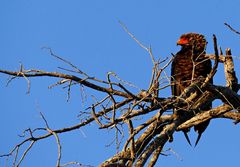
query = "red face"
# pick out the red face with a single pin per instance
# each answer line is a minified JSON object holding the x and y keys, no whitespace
{"x":183,"y":41}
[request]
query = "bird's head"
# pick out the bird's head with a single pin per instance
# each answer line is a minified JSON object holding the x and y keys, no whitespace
{"x":195,"y":40}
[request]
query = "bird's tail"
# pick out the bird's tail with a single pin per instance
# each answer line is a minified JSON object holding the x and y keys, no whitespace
{"x":200,"y":129}
{"x":185,"y":132}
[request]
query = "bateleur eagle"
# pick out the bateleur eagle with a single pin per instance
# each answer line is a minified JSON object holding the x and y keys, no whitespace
{"x":190,"y":63}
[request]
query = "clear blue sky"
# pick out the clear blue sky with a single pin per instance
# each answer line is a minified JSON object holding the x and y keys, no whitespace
{"x":87,"y":33}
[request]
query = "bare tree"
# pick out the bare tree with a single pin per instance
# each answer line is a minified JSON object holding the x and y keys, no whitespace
{"x":121,"y":107}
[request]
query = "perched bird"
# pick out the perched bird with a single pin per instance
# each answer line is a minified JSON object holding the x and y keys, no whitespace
{"x":190,"y":63}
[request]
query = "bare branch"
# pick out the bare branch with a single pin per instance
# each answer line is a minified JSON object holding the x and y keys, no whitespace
{"x":119,"y":107}
{"x":25,"y":153}
{"x":155,"y":156}
{"x":231,"y":79}
{"x":202,"y":117}
{"x":65,"y":61}
{"x":159,"y":141}
{"x":232,"y":115}
{"x":75,"y":163}
{"x":215,"y":65}
{"x":221,"y":57}
{"x":59,"y":147}
{"x":38,"y":73}
{"x":149,"y":50}
{"x":232,"y":29}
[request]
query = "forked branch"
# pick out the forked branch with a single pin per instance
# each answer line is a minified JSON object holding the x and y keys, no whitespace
{"x":121,"y":107}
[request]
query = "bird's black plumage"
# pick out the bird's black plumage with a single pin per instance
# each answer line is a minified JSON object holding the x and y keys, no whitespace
{"x":189,"y":64}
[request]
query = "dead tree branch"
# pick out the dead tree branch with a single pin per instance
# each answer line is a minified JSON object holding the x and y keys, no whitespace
{"x":232,"y":29}
{"x":120,"y":107}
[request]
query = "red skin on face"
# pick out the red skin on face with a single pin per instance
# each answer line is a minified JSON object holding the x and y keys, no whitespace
{"x":182,"y":41}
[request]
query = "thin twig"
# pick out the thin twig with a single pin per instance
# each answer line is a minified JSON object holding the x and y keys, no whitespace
{"x":95,"y":116}
{"x":232,"y":29}
{"x":16,"y":156}
{"x":215,"y":66}
{"x":149,"y":50}
{"x":38,"y":73}
{"x":131,"y":130}
{"x":69,"y":90}
{"x":62,"y":81}
{"x":25,"y":153}
{"x":59,"y":147}
{"x":44,"y":119}
{"x":76,"y":163}
{"x":65,"y":61}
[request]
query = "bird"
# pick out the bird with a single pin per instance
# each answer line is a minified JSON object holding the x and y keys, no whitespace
{"x":189,"y":64}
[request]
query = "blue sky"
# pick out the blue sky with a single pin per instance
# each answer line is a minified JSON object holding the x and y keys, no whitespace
{"x":88,"y":34}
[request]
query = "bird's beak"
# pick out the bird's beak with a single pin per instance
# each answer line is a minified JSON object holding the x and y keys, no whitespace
{"x":182,"y":41}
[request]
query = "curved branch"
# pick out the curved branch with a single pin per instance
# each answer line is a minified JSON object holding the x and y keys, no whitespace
{"x":39,"y":73}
